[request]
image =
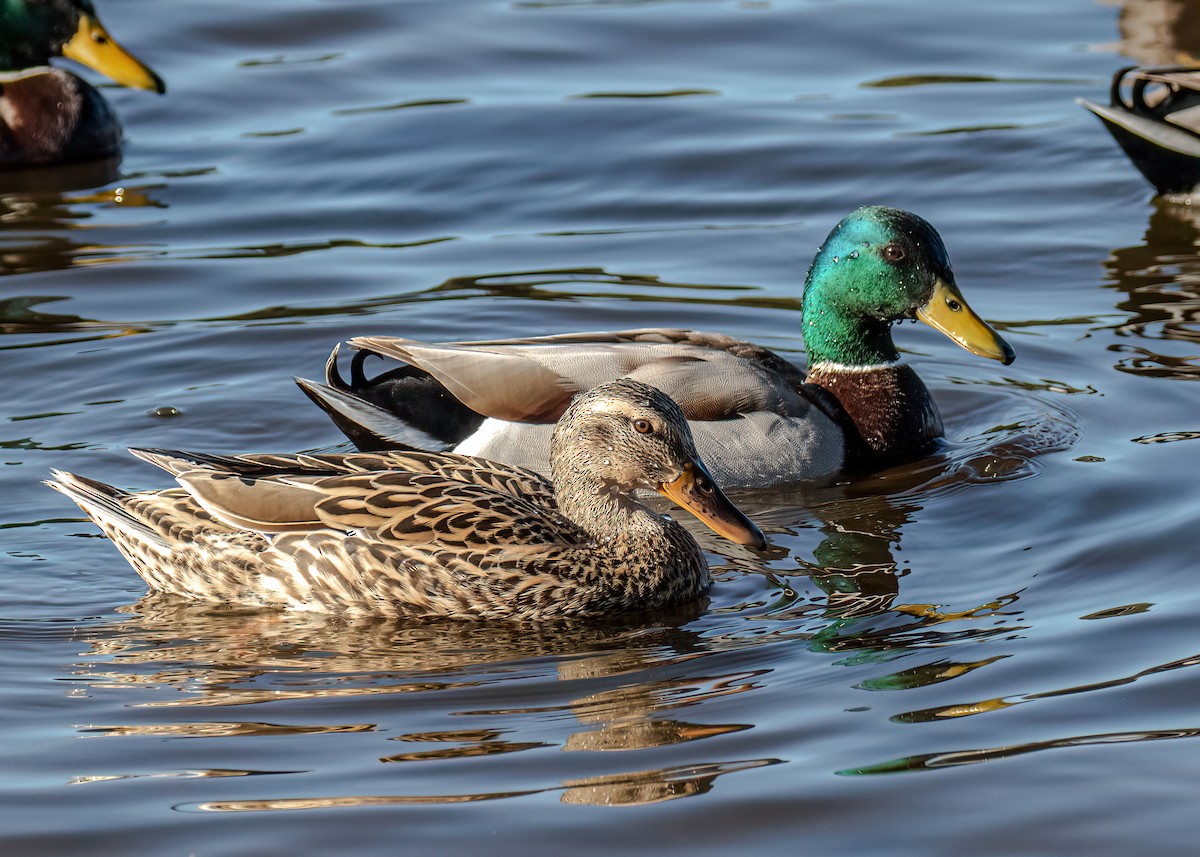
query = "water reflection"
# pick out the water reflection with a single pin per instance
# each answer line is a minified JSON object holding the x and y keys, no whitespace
{"x":35,"y":223}
{"x":858,"y":610}
{"x":214,"y":655}
{"x":855,"y":565}
{"x":988,"y":705}
{"x":19,"y":316}
{"x":58,"y":179}
{"x":206,"y":657}
{"x":933,"y":761}
{"x":193,"y":774}
{"x":1161,"y":279}
{"x":624,"y":789}
{"x":1159,"y":32}
{"x":568,"y":284}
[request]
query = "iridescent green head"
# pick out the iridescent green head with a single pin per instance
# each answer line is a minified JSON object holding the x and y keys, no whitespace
{"x":878,"y":266}
{"x":34,"y":31}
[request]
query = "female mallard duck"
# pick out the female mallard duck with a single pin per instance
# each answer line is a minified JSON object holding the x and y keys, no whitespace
{"x":756,"y":416}
{"x":49,"y":115}
{"x":427,"y":534}
{"x":1157,"y":123}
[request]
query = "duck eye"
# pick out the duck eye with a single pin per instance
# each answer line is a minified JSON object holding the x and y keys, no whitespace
{"x":893,"y":252}
{"x":642,"y":426}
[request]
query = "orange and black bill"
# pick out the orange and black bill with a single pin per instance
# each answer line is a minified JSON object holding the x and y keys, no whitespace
{"x":696,"y":491}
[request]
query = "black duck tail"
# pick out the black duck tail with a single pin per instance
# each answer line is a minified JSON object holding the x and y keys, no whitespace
{"x":401,"y":408}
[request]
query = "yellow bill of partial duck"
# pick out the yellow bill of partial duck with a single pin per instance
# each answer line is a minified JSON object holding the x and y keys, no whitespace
{"x":695,"y":491}
{"x":948,"y":312}
{"x":94,"y":47}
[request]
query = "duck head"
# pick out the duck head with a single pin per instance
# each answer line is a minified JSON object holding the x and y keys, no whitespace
{"x":36,"y":30}
{"x":626,"y":435}
{"x":880,"y":265}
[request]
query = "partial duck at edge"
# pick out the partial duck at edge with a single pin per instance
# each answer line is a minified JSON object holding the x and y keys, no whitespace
{"x":1154,"y":115}
{"x":50,"y":115}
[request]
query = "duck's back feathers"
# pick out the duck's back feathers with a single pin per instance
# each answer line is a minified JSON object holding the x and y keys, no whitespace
{"x":712,"y":376}
{"x":749,"y":409}
{"x":393,"y":543}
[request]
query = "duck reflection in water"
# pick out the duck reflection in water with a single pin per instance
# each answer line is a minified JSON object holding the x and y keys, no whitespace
{"x":1161,"y":281}
{"x":858,"y":608}
{"x":1159,"y":32}
{"x":180,"y":656}
{"x":43,"y":221}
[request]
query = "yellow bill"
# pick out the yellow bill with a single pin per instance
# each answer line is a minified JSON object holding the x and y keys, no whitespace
{"x":94,"y":47}
{"x":948,"y":312}
{"x":695,"y":491}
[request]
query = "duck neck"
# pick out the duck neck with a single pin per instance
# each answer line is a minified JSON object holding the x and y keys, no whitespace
{"x":29,"y":37}
{"x":608,"y":515}
{"x":838,"y":337}
{"x":883,"y":406}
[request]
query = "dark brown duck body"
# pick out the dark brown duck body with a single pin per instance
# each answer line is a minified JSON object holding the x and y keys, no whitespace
{"x":50,"y":116}
{"x":886,"y":413}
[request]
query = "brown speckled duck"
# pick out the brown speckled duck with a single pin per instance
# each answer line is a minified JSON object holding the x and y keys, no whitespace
{"x":49,"y":115}
{"x":757,"y":418}
{"x":411,"y":533}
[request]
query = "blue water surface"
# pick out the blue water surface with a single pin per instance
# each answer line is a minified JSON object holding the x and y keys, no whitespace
{"x":989,"y":652}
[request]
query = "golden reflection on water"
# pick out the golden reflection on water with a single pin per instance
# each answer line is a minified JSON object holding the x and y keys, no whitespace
{"x":216,"y":729}
{"x":987,"y":706}
{"x":43,"y":224}
{"x":213,"y":657}
{"x":926,"y":674}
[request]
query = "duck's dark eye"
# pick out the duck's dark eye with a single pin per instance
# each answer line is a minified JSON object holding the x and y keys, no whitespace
{"x":893,"y":252}
{"x":642,"y":426}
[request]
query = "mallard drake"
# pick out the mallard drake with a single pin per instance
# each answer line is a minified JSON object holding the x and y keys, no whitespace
{"x":49,"y":115}
{"x":1157,"y":123}
{"x":417,"y":533}
{"x":758,"y":418}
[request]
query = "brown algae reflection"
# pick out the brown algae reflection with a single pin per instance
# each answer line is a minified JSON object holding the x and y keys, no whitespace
{"x":633,"y":788}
